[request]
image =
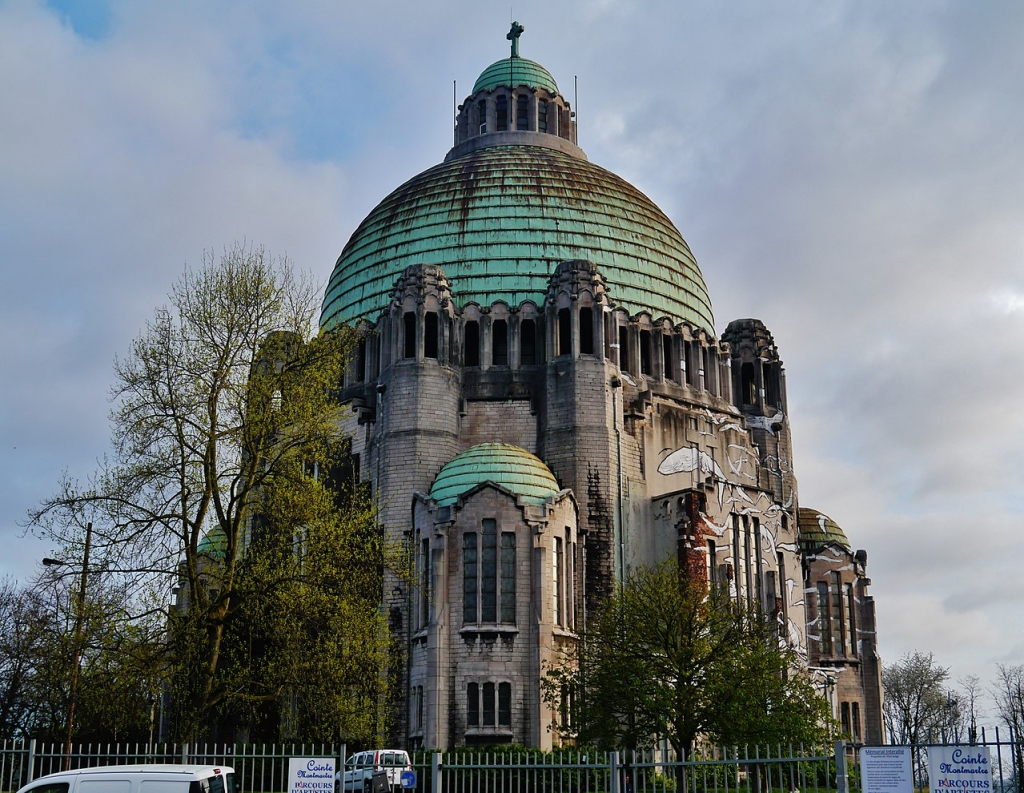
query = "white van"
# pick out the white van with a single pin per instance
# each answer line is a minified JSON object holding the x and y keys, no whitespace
{"x":357,"y":776}
{"x":138,"y":779}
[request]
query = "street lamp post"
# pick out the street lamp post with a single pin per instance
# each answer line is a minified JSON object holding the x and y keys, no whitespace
{"x":76,"y":641}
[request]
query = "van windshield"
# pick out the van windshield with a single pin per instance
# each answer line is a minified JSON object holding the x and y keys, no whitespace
{"x":214,"y":784}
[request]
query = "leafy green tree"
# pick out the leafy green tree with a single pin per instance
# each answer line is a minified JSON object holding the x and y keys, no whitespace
{"x":224,"y":401}
{"x":667,"y":658}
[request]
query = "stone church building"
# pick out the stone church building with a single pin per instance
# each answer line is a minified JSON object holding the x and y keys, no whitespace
{"x":542,"y":402}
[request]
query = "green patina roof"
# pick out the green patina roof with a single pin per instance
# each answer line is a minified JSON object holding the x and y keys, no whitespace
{"x":509,"y":466}
{"x":515,"y":71}
{"x":499,"y":219}
{"x":214,"y":544}
{"x":818,"y":529}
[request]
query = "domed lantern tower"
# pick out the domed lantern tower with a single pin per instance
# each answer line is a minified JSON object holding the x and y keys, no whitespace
{"x":541,"y":404}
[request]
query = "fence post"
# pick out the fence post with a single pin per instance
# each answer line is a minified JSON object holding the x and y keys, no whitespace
{"x":840,"y":752}
{"x":435,"y":772}
{"x":31,"y":761}
{"x":613,"y":773}
{"x":184,"y":753}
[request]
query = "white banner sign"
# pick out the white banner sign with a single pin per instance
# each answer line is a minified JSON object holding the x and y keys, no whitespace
{"x":886,"y":769}
{"x":310,"y":775}
{"x":959,"y":769}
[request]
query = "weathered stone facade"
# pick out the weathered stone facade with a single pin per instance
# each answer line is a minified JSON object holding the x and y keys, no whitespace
{"x":568,"y":321}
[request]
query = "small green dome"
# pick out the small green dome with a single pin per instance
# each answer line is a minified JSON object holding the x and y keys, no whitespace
{"x":499,"y":219}
{"x":818,"y":529}
{"x":515,"y":71}
{"x":214,"y":544}
{"x":511,"y":467}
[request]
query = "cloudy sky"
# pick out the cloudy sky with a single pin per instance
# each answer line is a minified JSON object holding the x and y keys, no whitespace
{"x":850,"y":172}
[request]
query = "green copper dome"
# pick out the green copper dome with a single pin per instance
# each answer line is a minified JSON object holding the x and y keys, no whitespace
{"x":515,"y":71}
{"x":817,"y":529}
{"x":511,"y":467}
{"x":500,"y":218}
{"x":214,"y":544}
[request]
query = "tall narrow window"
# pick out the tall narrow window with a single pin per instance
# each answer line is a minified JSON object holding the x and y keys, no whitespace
{"x":472,"y":343}
{"x":542,"y":115}
{"x":710,"y":364}
{"x":564,"y":331}
{"x":499,"y":342}
{"x":759,"y":562}
{"x":855,"y":707}
{"x":417,"y":708}
{"x":409,"y":328}
{"x":569,"y":579}
{"x":488,"y":704}
{"x":769,"y":374}
{"x":557,"y":603}
{"x":691,"y":370}
{"x":624,"y":349}
{"x":430,"y":335}
{"x":473,"y":705}
{"x":489,"y":572}
{"x":838,"y":617}
{"x":645,"y":352}
{"x":747,"y":582}
{"x":481,"y":114}
{"x":508,"y":577}
{"x":586,"y":330}
{"x":501,"y":112}
{"x":712,"y":571}
{"x":737,"y":560}
{"x":783,"y":595}
{"x":668,"y":357}
{"x":844,"y":718}
{"x":748,"y":384}
{"x":824,"y":623}
{"x":527,"y":342}
{"x":851,"y":618}
{"x":504,"y":704}
{"x":361,"y":360}
{"x":769,"y":593}
{"x":522,"y":116}
{"x":424,"y":576}
{"x":469,"y":577}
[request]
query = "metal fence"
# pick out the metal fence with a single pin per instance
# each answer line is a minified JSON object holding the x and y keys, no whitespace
{"x":263,"y":768}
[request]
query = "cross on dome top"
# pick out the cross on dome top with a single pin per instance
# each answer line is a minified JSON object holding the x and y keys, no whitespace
{"x":513,"y":36}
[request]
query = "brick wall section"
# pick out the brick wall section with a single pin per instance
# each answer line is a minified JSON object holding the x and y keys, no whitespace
{"x":506,"y":421}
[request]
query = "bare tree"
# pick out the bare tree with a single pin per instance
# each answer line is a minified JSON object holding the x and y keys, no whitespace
{"x":1008,"y":692}
{"x":971,"y":688}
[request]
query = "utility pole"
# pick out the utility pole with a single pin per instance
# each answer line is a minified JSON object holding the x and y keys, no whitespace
{"x":77,"y":640}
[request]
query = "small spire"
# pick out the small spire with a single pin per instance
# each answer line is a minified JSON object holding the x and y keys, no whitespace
{"x":513,"y":36}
